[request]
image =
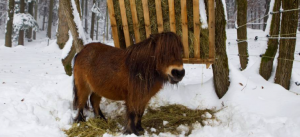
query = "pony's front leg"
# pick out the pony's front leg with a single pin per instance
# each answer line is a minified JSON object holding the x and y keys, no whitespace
{"x":138,"y":120}
{"x":130,"y":125}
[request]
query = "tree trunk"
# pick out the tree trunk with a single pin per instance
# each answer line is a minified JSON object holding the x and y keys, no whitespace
{"x":30,"y":11}
{"x":35,"y":17}
{"x":50,"y":19}
{"x":220,"y":67}
{"x":86,"y":16}
{"x":77,"y":43}
{"x":106,"y":18}
{"x":242,"y":32}
{"x":267,"y":6}
{"x":92,"y":23}
{"x":21,"y":33}
{"x":266,"y":65}
{"x":9,"y":23}
{"x":63,"y":29}
{"x":44,"y":16}
{"x":82,"y":8}
{"x":289,"y":25}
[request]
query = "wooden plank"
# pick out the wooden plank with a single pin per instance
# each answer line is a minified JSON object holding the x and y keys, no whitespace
{"x":146,"y":18}
{"x":160,"y":23}
{"x":172,"y":16}
{"x":135,"y":21}
{"x":185,"y":39}
{"x":124,"y":22}
{"x":197,"y":28}
{"x":197,"y":61}
{"x":211,"y":28}
{"x":113,"y":22}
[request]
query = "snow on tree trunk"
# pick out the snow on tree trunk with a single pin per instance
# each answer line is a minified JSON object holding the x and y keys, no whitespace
{"x":86,"y":16}
{"x":50,"y":18}
{"x":266,"y":65}
{"x":63,"y":29}
{"x":9,"y":23}
{"x":75,"y":26}
{"x":242,"y":32}
{"x":289,"y":25}
{"x":21,"y":33}
{"x":220,"y":67}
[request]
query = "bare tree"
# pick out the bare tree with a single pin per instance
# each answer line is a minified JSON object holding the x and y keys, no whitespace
{"x":220,"y":67}
{"x":35,"y":16}
{"x":63,"y":29}
{"x":242,"y":32}
{"x":289,"y":25}
{"x":266,"y":65}
{"x":92,"y":23}
{"x":9,"y":23}
{"x":21,"y":33}
{"x":50,"y":19}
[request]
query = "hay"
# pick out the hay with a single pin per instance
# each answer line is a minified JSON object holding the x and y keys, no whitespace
{"x":175,"y":115}
{"x":166,"y":22}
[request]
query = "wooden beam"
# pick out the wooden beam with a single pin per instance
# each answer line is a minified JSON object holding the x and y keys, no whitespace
{"x":113,"y":22}
{"x":197,"y":61}
{"x":146,"y":18}
{"x":160,"y":22}
{"x":124,"y":22}
{"x":197,"y":28}
{"x":135,"y":21}
{"x":211,"y":28}
{"x":172,"y":16}
{"x":185,"y":38}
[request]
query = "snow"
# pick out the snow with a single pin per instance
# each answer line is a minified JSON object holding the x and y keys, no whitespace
{"x":36,"y":95}
{"x":203,"y":16}
{"x":268,"y":27}
{"x":67,"y":48}
{"x":78,"y":23}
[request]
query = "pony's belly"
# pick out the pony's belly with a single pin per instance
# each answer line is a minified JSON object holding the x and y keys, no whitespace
{"x":112,"y":94}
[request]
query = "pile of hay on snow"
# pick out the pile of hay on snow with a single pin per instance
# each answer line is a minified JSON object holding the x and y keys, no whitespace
{"x":163,"y":119}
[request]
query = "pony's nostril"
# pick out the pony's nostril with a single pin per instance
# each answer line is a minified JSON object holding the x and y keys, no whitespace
{"x":178,"y":73}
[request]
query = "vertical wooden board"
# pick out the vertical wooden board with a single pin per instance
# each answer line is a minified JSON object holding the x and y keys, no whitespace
{"x":172,"y":16}
{"x":185,"y":38}
{"x":113,"y":22}
{"x":146,"y":18}
{"x":135,"y":21}
{"x":125,"y":23}
{"x":160,"y":24}
{"x":197,"y":28}
{"x":211,"y":27}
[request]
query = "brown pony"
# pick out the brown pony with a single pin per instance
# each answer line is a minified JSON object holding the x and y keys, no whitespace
{"x":133,"y":75}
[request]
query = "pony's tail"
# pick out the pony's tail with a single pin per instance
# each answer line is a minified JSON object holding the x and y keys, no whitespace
{"x":75,"y":95}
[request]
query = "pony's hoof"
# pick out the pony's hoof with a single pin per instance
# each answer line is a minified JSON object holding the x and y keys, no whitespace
{"x":140,"y":129}
{"x":129,"y":132}
{"x":79,"y":119}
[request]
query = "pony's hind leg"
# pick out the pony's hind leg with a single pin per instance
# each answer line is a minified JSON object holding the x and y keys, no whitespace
{"x":83,"y":92}
{"x":95,"y":101}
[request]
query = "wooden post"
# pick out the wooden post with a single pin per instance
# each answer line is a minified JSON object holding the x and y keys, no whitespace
{"x":135,"y":21}
{"x":146,"y":18}
{"x":185,"y":39}
{"x":211,"y":28}
{"x":172,"y":16}
{"x":124,"y":23}
{"x":160,"y":22}
{"x":113,"y":22}
{"x":197,"y":28}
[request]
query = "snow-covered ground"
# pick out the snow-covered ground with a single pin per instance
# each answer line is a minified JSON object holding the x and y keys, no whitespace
{"x":36,"y":95}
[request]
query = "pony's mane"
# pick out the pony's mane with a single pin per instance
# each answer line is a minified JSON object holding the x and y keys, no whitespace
{"x":143,"y":59}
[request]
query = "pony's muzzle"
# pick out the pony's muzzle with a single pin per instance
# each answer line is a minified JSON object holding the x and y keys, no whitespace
{"x":176,"y":75}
